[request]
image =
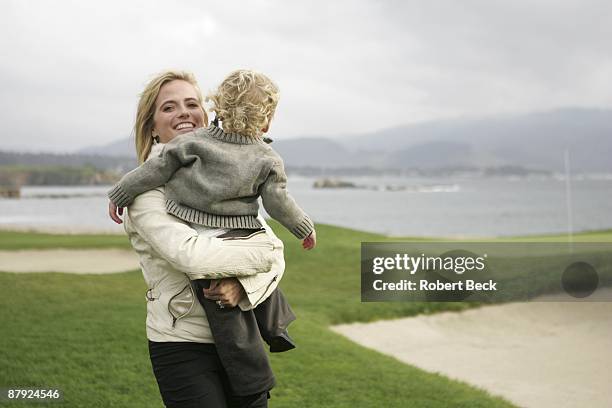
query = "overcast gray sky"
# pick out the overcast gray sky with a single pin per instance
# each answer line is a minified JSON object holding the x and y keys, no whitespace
{"x":71,"y":70}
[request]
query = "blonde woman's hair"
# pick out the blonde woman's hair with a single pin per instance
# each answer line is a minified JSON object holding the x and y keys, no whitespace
{"x":245,"y":102}
{"x":143,"y":127}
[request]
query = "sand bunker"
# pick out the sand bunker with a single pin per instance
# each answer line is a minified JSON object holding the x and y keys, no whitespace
{"x":88,"y":261}
{"x":538,"y":354}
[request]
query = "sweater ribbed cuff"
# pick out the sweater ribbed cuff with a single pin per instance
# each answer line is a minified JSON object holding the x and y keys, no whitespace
{"x":304,"y":228}
{"x":119,"y":197}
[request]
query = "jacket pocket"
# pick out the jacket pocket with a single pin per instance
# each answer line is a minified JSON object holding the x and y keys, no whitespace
{"x":254,"y":283}
{"x":237,"y":234}
{"x":181,"y":304}
{"x":257,"y":240}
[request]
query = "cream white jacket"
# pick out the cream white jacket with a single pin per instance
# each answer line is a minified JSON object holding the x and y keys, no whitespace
{"x":171,"y":252}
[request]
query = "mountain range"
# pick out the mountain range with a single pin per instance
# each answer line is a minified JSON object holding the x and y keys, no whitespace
{"x":535,"y":141}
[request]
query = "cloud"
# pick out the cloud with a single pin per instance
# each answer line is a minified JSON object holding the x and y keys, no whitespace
{"x":72,"y":70}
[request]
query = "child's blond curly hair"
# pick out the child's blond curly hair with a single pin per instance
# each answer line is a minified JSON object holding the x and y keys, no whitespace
{"x":245,"y":102}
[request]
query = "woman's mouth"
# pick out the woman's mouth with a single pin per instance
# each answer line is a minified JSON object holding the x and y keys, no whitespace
{"x":184,"y":125}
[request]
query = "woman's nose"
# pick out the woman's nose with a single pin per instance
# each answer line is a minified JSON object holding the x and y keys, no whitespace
{"x":184,"y":112}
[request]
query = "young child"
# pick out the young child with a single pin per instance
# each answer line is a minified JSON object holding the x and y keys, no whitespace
{"x":214,"y":176}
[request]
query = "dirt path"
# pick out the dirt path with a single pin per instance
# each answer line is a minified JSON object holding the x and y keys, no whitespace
{"x":95,"y":261}
{"x":538,"y":354}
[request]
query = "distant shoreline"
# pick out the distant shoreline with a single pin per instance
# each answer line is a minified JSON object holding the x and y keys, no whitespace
{"x":458,"y":209}
{"x":75,"y":230}
{"x":61,"y":230}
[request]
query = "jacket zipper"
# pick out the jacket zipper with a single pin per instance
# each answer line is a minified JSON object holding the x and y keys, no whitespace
{"x":267,"y":287}
{"x":175,"y":319}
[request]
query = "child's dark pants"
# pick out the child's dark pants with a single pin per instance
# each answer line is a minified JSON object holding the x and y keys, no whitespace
{"x":238,"y":340}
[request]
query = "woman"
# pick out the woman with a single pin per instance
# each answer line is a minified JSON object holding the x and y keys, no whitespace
{"x":191,"y":370}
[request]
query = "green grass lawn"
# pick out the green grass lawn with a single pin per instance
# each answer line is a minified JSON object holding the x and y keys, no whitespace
{"x":10,"y":240}
{"x":85,"y":334}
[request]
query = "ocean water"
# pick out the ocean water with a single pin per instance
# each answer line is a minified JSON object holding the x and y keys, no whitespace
{"x":453,"y":207}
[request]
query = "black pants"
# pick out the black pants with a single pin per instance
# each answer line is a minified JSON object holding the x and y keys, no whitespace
{"x":190,"y":375}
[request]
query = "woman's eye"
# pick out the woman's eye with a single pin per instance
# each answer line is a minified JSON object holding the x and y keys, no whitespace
{"x":194,"y":105}
{"x":166,"y":108}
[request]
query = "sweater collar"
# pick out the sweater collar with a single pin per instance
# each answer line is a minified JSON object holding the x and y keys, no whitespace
{"x":218,"y":133}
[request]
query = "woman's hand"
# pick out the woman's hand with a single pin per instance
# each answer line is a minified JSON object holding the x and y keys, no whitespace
{"x":228,"y":290}
{"x":113,"y":211}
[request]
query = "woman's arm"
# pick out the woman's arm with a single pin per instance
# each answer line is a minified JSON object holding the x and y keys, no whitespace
{"x":181,"y":246}
{"x":259,"y":287}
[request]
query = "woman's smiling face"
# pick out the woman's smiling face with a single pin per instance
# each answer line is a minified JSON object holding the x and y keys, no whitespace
{"x":177,"y":110}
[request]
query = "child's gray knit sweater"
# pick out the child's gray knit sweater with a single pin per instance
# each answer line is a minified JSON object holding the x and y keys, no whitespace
{"x":214,"y":178}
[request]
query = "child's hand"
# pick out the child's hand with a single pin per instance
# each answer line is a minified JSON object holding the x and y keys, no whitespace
{"x":113,"y":211}
{"x":310,"y":241}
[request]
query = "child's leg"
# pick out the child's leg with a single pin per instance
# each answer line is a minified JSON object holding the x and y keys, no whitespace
{"x":273,"y":316}
{"x":238,"y":344}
